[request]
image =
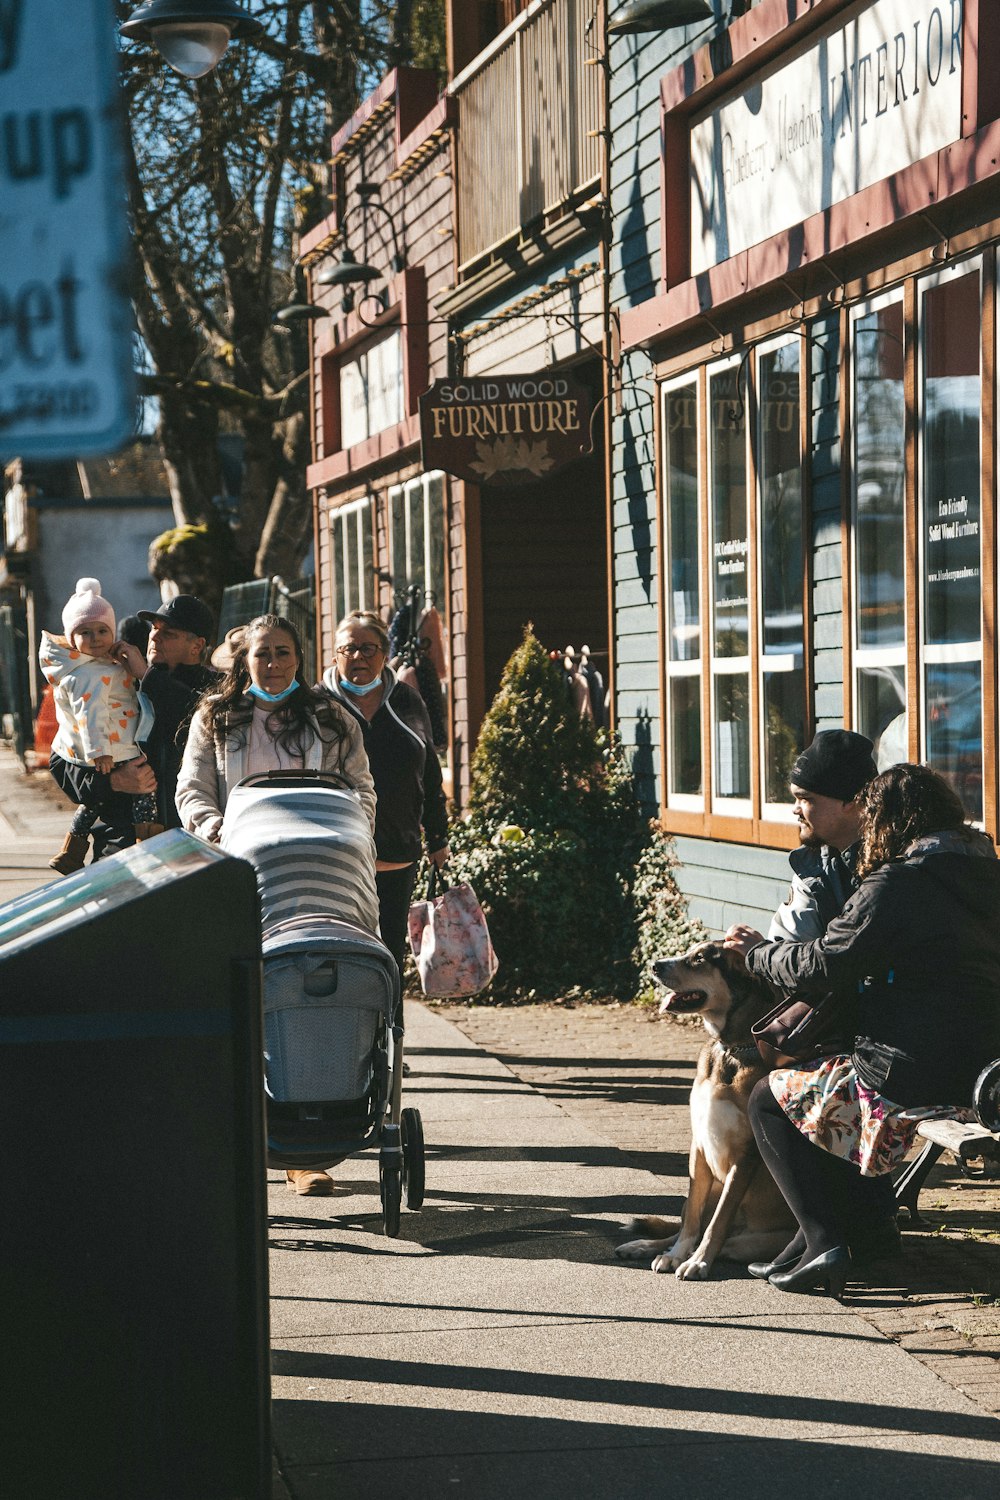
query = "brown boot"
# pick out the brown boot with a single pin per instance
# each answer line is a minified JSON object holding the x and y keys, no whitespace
{"x":72,"y":855}
{"x":145,"y":831}
{"x":309,"y":1183}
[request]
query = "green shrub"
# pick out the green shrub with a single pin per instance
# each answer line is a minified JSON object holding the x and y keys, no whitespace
{"x":554,"y":843}
{"x":663,"y":927}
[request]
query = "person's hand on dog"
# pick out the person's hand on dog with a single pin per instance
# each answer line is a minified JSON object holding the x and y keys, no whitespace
{"x":740,"y":939}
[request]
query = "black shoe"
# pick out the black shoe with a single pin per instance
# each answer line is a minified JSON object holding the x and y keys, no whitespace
{"x":760,"y":1270}
{"x":828,"y":1270}
{"x":880,"y":1241}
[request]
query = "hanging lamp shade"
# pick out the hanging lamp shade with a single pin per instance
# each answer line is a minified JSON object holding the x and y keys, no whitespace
{"x":347,"y":272}
{"x":298,"y":312}
{"x":190,"y":35}
{"x":658,"y":15}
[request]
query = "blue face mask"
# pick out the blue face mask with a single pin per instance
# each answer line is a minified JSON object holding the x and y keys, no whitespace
{"x":360,"y":689}
{"x":265,"y":697}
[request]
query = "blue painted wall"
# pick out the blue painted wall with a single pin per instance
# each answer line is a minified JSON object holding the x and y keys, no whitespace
{"x":724,"y":882}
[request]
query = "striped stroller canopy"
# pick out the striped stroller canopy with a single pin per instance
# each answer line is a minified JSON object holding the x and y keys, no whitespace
{"x":312,"y":849}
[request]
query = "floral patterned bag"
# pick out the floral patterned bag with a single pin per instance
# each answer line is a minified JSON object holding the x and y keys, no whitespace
{"x":450,"y":941}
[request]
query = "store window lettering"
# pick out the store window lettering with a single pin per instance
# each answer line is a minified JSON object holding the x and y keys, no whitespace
{"x":731,"y":558}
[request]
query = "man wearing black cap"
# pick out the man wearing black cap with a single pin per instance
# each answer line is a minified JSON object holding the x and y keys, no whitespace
{"x":825,"y":782}
{"x":172,"y":678}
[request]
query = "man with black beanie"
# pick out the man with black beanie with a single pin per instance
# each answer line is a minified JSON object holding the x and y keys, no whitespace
{"x":824,"y":784}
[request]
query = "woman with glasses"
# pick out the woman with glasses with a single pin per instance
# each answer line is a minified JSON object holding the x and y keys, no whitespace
{"x":404,"y":765}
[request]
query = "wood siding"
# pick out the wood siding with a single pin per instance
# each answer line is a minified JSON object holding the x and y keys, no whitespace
{"x":419,"y":196}
{"x":725,"y":882}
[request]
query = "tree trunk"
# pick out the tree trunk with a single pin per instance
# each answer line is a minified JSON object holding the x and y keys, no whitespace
{"x":188,"y":435}
{"x":287,"y":530}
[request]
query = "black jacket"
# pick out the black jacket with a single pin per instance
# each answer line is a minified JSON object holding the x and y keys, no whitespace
{"x":173,"y":696}
{"x":404,"y":767}
{"x":921,"y":940}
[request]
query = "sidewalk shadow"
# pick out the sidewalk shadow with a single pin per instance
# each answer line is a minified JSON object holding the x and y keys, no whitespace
{"x":424,"y":1448}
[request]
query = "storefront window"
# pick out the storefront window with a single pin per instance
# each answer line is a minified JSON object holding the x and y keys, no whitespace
{"x":417,"y":540}
{"x":681,"y":552}
{"x":878,"y":531}
{"x":781,"y":567}
{"x":352,"y":546}
{"x":950,"y":417}
{"x":730,"y":551}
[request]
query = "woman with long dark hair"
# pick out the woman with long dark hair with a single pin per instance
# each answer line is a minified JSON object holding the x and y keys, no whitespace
{"x":921,"y":939}
{"x":265,"y":717}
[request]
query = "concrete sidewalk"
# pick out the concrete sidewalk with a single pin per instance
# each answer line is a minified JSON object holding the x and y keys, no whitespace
{"x":496,"y":1347}
{"x":34,"y":820}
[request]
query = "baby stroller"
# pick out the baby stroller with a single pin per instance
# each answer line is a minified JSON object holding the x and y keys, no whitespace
{"x":333,"y":1042}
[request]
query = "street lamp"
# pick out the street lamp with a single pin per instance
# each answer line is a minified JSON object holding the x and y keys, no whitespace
{"x":658,"y":15}
{"x":348,"y":273}
{"x":190,"y":35}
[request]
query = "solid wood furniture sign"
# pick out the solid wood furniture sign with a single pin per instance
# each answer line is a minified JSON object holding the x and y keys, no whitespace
{"x":504,"y":429}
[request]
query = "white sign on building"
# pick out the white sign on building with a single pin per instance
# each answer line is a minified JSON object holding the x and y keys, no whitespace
{"x":867,"y":98}
{"x":371,"y":391}
{"x":65,"y":321}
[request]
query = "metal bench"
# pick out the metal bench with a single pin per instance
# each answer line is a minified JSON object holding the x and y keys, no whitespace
{"x":975,"y":1146}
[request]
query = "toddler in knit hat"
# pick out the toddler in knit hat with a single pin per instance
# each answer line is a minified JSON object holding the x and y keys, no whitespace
{"x":98,"y":709}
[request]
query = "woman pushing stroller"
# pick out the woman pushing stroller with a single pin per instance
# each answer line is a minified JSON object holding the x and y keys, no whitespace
{"x":264,"y":717}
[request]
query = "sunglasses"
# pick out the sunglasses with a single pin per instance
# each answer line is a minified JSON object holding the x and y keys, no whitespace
{"x":367,"y":650}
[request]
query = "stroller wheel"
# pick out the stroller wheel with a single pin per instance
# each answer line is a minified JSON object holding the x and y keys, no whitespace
{"x":391,"y":1191}
{"x":412,"y":1131}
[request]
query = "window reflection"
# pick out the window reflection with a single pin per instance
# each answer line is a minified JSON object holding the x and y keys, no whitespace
{"x":879,"y":477}
{"x":950,"y":535}
{"x":681,"y":455}
{"x":730,"y":547}
{"x":730,"y":560}
{"x":732,"y":735}
{"x":683,"y":606}
{"x":685,"y":735}
{"x":951,"y":462}
{"x":781,"y":566}
{"x":954,"y":730}
{"x":880,"y":712}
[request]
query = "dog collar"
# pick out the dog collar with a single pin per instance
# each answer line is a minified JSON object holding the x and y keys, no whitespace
{"x":746,"y":1053}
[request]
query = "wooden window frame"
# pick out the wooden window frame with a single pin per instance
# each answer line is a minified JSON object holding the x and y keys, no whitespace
{"x":755,"y":828}
{"x":338,"y":516}
{"x":906,"y":281}
{"x":681,"y":804}
{"x":851,"y":316}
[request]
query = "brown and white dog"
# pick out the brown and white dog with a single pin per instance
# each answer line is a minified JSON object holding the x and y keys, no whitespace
{"x":733,"y":1207}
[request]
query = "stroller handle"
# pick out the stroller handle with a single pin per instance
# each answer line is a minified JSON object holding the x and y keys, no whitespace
{"x":296,"y":778}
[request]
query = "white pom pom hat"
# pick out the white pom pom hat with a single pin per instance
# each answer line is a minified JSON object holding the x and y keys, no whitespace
{"x":87,"y":607}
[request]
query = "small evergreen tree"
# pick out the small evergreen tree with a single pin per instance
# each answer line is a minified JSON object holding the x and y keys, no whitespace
{"x":553,"y":841}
